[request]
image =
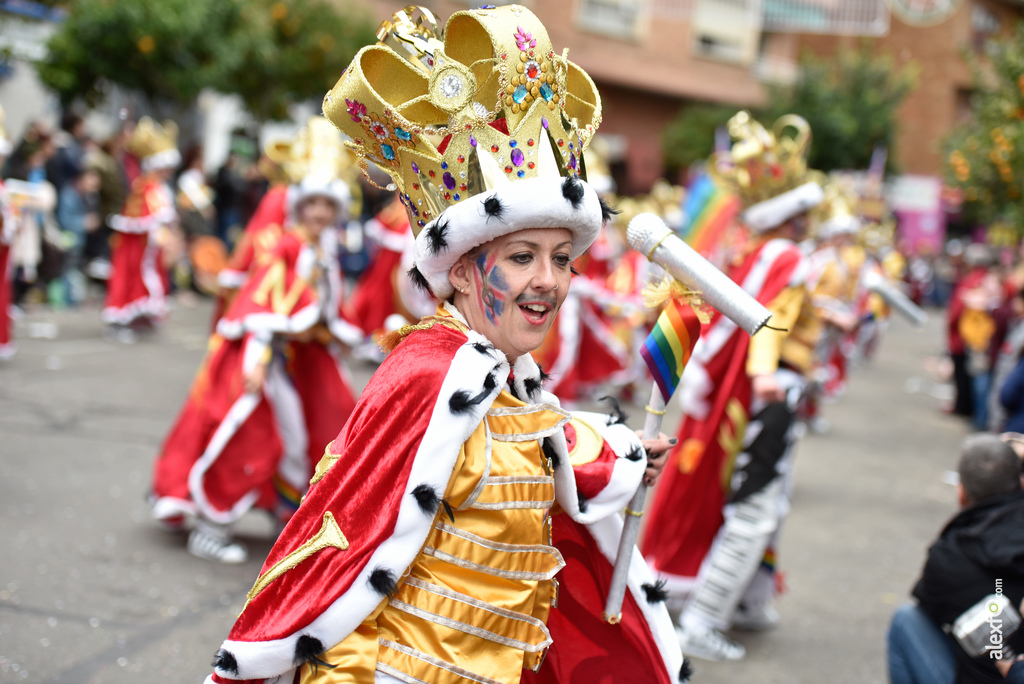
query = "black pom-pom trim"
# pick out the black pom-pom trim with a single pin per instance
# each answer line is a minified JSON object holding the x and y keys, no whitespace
{"x":543,"y":376}
{"x":573,"y":191}
{"x":462,"y":402}
{"x":686,"y":671}
{"x":436,"y":237}
{"x":483,"y":348}
{"x":418,"y":279}
{"x":572,"y":269}
{"x":551,"y":454}
{"x":618,"y":416}
{"x":225,"y":661}
{"x":656,"y":592}
{"x":532,"y":385}
{"x":607,"y":211}
{"x":383,"y":581}
{"x":427,"y":498}
{"x":635,"y":454}
{"x":494,"y":207}
{"x":582,"y":501}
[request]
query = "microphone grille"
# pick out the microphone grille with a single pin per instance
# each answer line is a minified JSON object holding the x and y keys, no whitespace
{"x":642,"y":229}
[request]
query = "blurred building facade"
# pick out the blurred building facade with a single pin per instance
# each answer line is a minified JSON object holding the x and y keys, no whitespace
{"x":649,"y":58}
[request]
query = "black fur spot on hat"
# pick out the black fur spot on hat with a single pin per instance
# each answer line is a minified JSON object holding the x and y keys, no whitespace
{"x":686,"y":671}
{"x":383,"y":581}
{"x":655,"y":593}
{"x":418,"y":279}
{"x":494,"y":207}
{"x":607,"y":211}
{"x":225,"y":661}
{"x":582,"y":501}
{"x":427,"y":498}
{"x":635,"y":454}
{"x":573,"y":191}
{"x":552,"y":455}
{"x":617,"y":414}
{"x":436,"y":236}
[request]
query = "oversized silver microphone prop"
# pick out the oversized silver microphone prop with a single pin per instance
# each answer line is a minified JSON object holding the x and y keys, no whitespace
{"x":892,"y":296}
{"x":649,"y":235}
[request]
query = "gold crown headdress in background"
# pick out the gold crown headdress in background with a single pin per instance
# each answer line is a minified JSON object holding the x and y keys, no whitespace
{"x":151,"y":138}
{"x":763,"y":164}
{"x":491,"y":104}
{"x":837,"y":212}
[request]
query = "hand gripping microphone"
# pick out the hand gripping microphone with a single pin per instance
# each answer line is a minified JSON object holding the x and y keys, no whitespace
{"x":649,"y":235}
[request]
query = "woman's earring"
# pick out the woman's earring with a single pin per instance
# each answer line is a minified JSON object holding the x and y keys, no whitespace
{"x":555,"y":287}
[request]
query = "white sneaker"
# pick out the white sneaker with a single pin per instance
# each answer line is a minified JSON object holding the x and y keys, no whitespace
{"x":213,"y":547}
{"x":756,"y":619}
{"x":709,"y":644}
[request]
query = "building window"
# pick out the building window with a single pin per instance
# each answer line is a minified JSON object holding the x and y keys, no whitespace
{"x":727,"y":30}
{"x":618,"y":18}
{"x":833,"y":17}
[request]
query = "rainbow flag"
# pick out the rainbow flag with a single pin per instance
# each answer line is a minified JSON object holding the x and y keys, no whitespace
{"x":707,"y":212}
{"x":667,"y":349}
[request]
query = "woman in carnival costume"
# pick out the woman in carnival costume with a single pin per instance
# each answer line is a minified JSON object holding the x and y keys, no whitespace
{"x":138,"y":284}
{"x":272,"y":389}
{"x":7,"y":227}
{"x":428,"y":545}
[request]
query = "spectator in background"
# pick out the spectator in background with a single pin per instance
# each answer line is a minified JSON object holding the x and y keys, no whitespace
{"x":78,"y":216}
{"x":107,"y":160}
{"x":229,"y":189}
{"x":1006,"y":360}
{"x":971,"y":327}
{"x":195,"y":198}
{"x":981,"y":545}
{"x":69,"y":161}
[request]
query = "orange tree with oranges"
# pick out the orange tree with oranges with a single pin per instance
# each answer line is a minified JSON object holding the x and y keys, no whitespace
{"x":984,"y":158}
{"x":271,"y":53}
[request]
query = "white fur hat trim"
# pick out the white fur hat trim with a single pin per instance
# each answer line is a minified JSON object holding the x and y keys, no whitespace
{"x":772,"y":213}
{"x":319,"y":186}
{"x":530,"y":203}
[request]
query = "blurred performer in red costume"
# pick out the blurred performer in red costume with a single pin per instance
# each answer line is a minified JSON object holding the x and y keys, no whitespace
{"x":725,"y":490}
{"x":272,"y":390}
{"x":138,"y":284}
{"x":430,"y":545}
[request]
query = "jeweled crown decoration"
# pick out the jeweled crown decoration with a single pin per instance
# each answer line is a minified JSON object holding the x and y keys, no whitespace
{"x":763,"y":164}
{"x":491,"y":104}
{"x":150,"y":138}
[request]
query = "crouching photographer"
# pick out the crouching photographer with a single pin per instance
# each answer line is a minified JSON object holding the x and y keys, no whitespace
{"x":945,"y":638}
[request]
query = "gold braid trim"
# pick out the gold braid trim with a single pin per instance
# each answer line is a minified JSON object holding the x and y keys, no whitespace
{"x":390,"y":341}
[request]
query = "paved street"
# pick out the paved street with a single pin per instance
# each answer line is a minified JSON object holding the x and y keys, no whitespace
{"x":92,"y":591}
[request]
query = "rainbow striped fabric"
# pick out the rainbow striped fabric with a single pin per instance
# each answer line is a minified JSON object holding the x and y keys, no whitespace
{"x":707,"y":212}
{"x":667,"y":349}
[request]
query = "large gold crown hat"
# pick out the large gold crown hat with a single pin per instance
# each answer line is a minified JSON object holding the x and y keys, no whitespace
{"x":483,"y":134}
{"x":836,"y":216}
{"x":317,"y":160}
{"x":768,"y":170}
{"x":155,"y":144}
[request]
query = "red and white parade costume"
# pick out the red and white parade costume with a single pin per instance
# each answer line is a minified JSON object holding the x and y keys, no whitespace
{"x":422,"y":461}
{"x":377,"y":295}
{"x":715,"y":393}
{"x":230,"y":450}
{"x":138,"y":284}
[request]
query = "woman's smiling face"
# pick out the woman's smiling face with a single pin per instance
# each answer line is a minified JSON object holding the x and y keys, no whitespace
{"x":510,"y":288}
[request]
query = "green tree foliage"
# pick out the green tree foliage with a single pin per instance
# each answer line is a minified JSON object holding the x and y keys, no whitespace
{"x":984,"y":158}
{"x":690,"y":138}
{"x":849,"y":101}
{"x":851,"y":104}
{"x":269,"y":53}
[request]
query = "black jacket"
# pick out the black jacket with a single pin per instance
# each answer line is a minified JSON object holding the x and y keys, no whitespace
{"x":982,"y":544}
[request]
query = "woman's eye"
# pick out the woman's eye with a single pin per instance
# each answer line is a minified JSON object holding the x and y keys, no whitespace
{"x":522,"y":258}
{"x":562,"y":260}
